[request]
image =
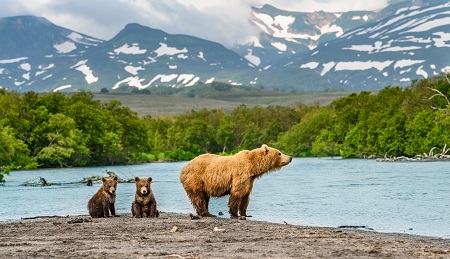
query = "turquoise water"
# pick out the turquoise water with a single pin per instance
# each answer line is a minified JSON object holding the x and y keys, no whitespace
{"x":411,"y":198}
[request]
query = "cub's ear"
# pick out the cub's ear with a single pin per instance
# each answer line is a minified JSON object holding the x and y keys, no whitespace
{"x":103,"y":179}
{"x":149,"y":179}
{"x":115,"y":178}
{"x":136,"y":179}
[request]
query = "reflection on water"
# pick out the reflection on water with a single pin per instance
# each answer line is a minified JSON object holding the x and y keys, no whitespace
{"x":389,"y":197}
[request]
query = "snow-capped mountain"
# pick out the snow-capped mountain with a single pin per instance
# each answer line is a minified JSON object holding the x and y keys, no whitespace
{"x":413,"y":43}
{"x":142,"y":57}
{"x":295,"y":51}
{"x":285,"y":33}
{"x":137,"y":56}
{"x":31,"y":47}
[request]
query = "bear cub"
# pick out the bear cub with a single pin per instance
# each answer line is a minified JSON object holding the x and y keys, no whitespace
{"x":104,"y":199}
{"x":144,"y":204}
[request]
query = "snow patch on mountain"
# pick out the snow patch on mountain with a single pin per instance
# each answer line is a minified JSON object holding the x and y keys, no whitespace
{"x":76,"y":37}
{"x":134,"y":49}
{"x":279,"y":45}
{"x":442,"y":40}
{"x":193,"y":82}
{"x":406,"y":63}
{"x":14,"y":60}
{"x":133,"y":70}
{"x":378,"y":46}
{"x":169,"y":51}
{"x":87,"y":72}
{"x":185,"y":78}
{"x":65,"y":47}
{"x":209,"y":81}
{"x":429,"y":25}
{"x":422,"y":72}
{"x":252,"y":58}
{"x":310,"y":65}
{"x":200,"y":55}
{"x":25,"y":66}
{"x":176,"y":79}
{"x":134,"y":81}
{"x":330,"y":28}
{"x":362,"y":65}
{"x":62,"y":88}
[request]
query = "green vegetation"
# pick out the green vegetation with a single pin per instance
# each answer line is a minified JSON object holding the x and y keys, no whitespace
{"x":57,"y":130}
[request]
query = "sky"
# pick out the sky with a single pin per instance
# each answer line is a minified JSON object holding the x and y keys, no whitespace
{"x":223,"y":21}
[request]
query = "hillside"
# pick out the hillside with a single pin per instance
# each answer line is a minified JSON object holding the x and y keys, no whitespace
{"x":157,"y":105}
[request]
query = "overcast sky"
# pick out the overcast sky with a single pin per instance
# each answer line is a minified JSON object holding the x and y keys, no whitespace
{"x":224,"y":21}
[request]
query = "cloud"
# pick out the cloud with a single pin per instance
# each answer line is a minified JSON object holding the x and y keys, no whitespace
{"x":327,"y":5}
{"x":224,"y":21}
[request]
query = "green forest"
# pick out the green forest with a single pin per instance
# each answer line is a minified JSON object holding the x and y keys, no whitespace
{"x":60,"y":130}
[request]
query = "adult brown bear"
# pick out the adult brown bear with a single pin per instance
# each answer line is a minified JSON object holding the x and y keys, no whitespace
{"x":210,"y":175}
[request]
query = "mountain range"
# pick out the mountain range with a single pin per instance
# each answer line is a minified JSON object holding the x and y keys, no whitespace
{"x":295,"y":51}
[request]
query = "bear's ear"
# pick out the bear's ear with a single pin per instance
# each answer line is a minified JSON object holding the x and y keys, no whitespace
{"x":115,"y":178}
{"x":103,"y":179}
{"x":149,"y":179}
{"x":265,"y":148}
{"x":136,"y":179}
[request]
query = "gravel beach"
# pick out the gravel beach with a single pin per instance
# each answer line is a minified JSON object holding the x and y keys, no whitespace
{"x":178,"y":236}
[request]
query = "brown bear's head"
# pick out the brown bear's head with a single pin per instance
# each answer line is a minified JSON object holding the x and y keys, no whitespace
{"x":143,"y":185}
{"x":269,"y":159}
{"x":109,"y":184}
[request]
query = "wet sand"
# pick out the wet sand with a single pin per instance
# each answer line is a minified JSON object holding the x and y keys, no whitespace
{"x":178,"y":236}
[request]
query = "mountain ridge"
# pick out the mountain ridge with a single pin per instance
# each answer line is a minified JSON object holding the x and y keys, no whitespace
{"x":376,"y":51}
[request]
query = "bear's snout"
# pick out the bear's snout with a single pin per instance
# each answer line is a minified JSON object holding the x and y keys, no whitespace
{"x":286,"y":160}
{"x":144,"y":191}
{"x":112,"y":190}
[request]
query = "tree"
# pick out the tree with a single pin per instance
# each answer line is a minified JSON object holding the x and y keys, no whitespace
{"x":14,"y":154}
{"x":66,"y":144}
{"x":299,"y":139}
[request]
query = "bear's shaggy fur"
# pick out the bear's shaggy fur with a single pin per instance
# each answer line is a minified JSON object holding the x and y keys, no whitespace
{"x":104,"y":199}
{"x":144,"y":204}
{"x":210,"y":175}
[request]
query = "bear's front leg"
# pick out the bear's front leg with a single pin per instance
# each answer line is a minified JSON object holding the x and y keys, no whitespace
{"x":153,"y":211}
{"x":243,"y":206}
{"x":112,"y":208}
{"x":240,"y":197}
{"x":233,"y":204}
{"x":105,"y":208}
{"x":146,"y":211}
{"x":137,"y":208}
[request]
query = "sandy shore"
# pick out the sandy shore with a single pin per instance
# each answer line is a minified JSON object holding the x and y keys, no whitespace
{"x":178,"y":236}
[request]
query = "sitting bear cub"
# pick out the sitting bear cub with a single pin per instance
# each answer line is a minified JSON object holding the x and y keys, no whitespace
{"x":144,"y":204}
{"x":103,"y":200}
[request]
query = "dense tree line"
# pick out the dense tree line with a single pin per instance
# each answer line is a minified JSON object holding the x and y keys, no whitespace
{"x":57,"y":130}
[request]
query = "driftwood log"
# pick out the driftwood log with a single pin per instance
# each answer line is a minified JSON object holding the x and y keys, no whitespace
{"x":442,"y":156}
{"x":40,"y":181}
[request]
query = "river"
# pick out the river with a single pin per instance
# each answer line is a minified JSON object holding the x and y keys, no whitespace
{"x":403,"y":197}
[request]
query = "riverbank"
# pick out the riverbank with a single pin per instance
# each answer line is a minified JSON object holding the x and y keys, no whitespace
{"x":178,"y":236}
